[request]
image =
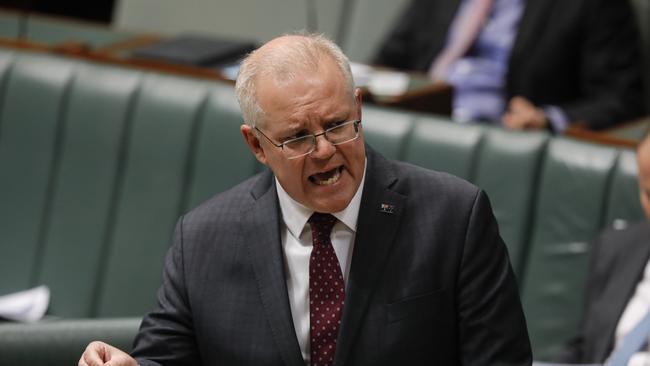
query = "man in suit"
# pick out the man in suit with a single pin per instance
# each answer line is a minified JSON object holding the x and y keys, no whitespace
{"x":413,"y":270}
{"x":532,"y":64}
{"x":618,"y":283}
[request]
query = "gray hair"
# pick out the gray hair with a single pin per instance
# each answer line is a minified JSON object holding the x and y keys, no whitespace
{"x":303,"y":53}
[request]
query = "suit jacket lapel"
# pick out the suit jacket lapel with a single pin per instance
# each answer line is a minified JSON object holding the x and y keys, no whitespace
{"x":376,"y":231}
{"x":261,"y":228}
{"x":629,"y":270}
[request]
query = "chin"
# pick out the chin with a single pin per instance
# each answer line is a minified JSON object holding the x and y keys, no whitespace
{"x":331,"y":206}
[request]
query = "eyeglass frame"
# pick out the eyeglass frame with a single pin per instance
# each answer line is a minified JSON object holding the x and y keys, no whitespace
{"x":314,"y":136}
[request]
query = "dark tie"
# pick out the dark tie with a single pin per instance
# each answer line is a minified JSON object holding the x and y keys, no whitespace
{"x":326,"y":291}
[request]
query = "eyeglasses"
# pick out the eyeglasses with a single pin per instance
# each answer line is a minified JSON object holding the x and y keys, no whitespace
{"x":303,"y":145}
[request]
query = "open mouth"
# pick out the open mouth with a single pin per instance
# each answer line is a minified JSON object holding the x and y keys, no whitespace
{"x":327,"y":178}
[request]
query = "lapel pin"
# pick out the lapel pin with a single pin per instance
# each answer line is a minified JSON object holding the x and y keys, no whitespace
{"x":387,"y":208}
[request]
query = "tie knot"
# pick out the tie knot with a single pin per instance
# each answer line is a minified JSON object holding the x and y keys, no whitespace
{"x":321,"y":224}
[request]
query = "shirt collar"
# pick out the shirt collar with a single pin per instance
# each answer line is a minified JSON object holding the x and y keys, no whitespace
{"x":295,"y":214}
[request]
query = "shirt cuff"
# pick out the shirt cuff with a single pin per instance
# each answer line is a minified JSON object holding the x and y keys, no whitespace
{"x":556,"y":117}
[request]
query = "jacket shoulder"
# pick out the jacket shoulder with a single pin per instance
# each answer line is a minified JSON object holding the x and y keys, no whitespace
{"x":228,"y":204}
{"x":631,"y":233}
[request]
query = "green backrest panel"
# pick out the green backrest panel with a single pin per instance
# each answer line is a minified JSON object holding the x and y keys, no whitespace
{"x":60,"y":343}
{"x":6,"y":62}
{"x":569,"y":213}
{"x":152,"y":193}
{"x":31,"y":111}
{"x":623,"y":203}
{"x":366,"y":26}
{"x":507,"y":169}
{"x":439,"y":144}
{"x":9,"y":24}
{"x":224,"y":18}
{"x":54,"y":31}
{"x":386,"y":131}
{"x":221,"y":158}
{"x":95,"y":122}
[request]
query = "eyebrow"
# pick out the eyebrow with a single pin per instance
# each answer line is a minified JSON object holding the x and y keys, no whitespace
{"x":292,"y":128}
{"x":300,"y":126}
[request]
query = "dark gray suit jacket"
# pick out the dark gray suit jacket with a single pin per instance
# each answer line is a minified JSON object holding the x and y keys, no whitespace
{"x":581,"y":55}
{"x":617,"y":263}
{"x":430,"y":284}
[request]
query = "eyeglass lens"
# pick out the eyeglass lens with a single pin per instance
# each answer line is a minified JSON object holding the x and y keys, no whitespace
{"x":336,"y":135}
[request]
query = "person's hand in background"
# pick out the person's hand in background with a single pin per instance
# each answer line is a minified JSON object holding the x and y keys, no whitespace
{"x":521,"y":114}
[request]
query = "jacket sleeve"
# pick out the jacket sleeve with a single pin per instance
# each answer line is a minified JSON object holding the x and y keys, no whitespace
{"x":166,"y":335}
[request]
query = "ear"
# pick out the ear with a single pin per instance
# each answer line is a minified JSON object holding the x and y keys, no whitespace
{"x":253,"y":143}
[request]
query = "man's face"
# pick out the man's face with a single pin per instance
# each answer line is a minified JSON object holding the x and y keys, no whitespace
{"x":643,"y":159}
{"x":326,"y":179}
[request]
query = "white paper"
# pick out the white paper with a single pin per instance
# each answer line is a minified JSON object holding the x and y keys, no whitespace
{"x":361,"y":74}
{"x":25,"y":306}
{"x":379,"y":82}
{"x":388,"y":83}
{"x":231,"y":71}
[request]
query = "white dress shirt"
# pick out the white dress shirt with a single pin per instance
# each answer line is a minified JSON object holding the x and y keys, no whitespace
{"x":635,"y":310}
{"x":297,"y":245}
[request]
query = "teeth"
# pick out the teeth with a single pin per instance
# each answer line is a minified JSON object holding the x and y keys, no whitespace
{"x":332,"y":180}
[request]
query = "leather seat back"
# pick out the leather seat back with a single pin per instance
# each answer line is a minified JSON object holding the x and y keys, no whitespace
{"x":440,"y":145}
{"x":151,"y":194}
{"x":35,"y":90}
{"x":386,"y":131}
{"x":569,"y":212}
{"x":220,"y":158}
{"x":74,"y":239}
{"x":508,"y":166}
{"x":623,"y":202}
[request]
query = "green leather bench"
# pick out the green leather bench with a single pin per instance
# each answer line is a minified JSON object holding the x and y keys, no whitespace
{"x":97,"y":162}
{"x":54,"y":30}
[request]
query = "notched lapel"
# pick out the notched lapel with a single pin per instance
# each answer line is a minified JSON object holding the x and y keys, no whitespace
{"x":379,"y":218}
{"x":627,"y":274}
{"x":261,"y":233}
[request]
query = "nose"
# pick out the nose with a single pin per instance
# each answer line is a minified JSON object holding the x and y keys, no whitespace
{"x":323,"y":149}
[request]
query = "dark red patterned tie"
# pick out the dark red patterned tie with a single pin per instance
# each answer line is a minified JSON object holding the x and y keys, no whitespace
{"x":326,"y":291}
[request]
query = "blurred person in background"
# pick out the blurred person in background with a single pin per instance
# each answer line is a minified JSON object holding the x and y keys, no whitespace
{"x":526,"y":64}
{"x":616,"y":322}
